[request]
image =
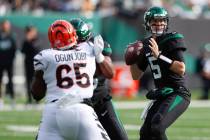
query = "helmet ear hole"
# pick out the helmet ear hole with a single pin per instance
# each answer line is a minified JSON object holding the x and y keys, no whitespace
{"x":61,"y":35}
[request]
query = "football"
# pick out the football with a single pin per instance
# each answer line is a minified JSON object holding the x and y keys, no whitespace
{"x":132,"y":52}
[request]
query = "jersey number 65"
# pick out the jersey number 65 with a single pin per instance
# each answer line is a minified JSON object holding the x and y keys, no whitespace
{"x":67,"y":82}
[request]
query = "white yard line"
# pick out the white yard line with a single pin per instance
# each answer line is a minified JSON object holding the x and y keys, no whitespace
{"x":22,"y":128}
{"x":142,"y":104}
{"x":117,"y":104}
{"x":132,"y":127}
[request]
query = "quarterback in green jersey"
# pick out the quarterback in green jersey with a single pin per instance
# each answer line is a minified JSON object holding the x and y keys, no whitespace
{"x":163,"y":52}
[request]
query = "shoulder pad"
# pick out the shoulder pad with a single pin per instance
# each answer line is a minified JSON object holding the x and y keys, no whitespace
{"x":171,"y":36}
{"x":174,"y":40}
{"x":107,"y":51}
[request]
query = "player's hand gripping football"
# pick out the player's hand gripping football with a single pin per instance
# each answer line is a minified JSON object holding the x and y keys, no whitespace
{"x":132,"y":52}
{"x":154,"y":47}
{"x":98,"y":48}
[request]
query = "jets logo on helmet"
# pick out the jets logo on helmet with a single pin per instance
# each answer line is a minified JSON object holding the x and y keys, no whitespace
{"x":82,"y":29}
{"x":156,"y":13}
{"x":62,"y":35}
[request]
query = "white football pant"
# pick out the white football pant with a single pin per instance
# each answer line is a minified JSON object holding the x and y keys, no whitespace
{"x":74,"y":122}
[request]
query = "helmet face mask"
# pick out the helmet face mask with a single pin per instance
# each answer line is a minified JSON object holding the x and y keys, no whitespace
{"x":82,"y":29}
{"x":158,"y":27}
{"x":156,"y":20}
{"x":62,"y":35}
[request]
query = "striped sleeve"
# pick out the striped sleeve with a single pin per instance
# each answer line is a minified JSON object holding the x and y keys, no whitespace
{"x":40,"y":63}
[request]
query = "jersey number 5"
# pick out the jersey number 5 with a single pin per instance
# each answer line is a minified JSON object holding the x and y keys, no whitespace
{"x":67,"y":82}
{"x":155,"y":68}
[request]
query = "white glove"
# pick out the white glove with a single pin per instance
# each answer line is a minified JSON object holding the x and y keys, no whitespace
{"x":98,"y":48}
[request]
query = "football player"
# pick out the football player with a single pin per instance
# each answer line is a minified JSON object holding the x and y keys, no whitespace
{"x":65,"y":72}
{"x":163,"y":52}
{"x":101,"y":98}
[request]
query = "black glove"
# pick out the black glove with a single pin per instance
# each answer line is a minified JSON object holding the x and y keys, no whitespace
{"x":153,"y":94}
{"x":156,"y":94}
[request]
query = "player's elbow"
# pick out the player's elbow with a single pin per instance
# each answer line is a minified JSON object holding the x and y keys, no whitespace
{"x":182,"y":71}
{"x":135,"y":72}
{"x":37,"y":96}
{"x":109,"y":76}
{"x":179,"y":68}
{"x":134,"y":77}
{"x":38,"y":92}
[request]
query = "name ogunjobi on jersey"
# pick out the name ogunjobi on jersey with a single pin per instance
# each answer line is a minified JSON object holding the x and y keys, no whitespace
{"x":70,"y":56}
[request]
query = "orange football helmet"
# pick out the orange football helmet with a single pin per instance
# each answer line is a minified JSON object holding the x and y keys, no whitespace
{"x":62,"y":35}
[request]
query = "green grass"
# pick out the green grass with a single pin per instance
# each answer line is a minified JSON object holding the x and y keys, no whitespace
{"x":194,"y":124}
{"x":18,"y":118}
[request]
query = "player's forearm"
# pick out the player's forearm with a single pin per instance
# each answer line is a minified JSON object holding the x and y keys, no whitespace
{"x":106,"y":68}
{"x":38,"y":87}
{"x":178,"y":67}
{"x":136,"y":73}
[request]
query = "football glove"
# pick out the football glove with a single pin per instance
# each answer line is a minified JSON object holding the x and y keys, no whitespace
{"x":156,"y":94}
{"x":98,"y":48}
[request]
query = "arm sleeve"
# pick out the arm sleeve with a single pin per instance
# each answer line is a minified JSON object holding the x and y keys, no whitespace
{"x":40,"y":62}
{"x":176,"y":47}
{"x":177,"y":55}
{"x":177,"y":44}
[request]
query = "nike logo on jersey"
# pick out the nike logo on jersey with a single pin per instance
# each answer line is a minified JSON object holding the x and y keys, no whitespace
{"x":103,"y":114}
{"x":70,"y":56}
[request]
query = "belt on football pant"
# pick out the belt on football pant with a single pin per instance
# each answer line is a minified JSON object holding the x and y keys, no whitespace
{"x":86,"y":101}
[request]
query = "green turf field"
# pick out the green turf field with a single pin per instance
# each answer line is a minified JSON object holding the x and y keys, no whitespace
{"x":193,"y":125}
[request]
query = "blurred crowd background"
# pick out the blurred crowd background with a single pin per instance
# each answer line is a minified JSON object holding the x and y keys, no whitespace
{"x":183,"y":8}
{"x":191,"y":9}
{"x":119,"y":22}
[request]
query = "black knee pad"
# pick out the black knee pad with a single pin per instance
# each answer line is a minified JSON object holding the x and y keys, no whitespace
{"x":156,"y":127}
{"x":157,"y":130}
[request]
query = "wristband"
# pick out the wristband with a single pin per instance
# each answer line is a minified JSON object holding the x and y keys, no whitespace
{"x":165,"y":60}
{"x":100,"y":58}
